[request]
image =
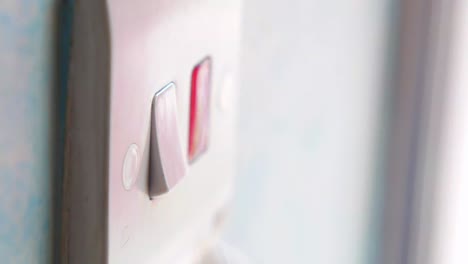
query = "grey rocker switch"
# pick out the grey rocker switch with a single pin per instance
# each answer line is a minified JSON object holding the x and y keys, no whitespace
{"x":167,"y":163}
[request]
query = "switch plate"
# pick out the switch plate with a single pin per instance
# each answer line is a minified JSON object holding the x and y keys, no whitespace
{"x":123,"y":53}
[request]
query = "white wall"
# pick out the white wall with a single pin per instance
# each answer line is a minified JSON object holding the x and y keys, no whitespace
{"x":451,"y":211}
{"x":311,"y":101}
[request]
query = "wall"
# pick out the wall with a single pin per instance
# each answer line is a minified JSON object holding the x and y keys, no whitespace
{"x":310,"y":130}
{"x":28,"y":135}
{"x":451,"y":214}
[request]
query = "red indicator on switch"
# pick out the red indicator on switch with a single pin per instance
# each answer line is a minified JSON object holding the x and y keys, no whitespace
{"x":199,"y":109}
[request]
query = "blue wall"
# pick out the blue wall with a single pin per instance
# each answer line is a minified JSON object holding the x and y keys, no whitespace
{"x":30,"y":130}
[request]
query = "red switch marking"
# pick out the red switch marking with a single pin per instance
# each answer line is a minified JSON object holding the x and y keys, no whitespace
{"x":199,"y":109}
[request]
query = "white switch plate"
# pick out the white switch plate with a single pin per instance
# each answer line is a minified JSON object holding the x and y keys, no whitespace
{"x":123,"y":52}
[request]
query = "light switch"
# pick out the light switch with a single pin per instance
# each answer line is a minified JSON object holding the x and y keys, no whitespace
{"x":167,"y":163}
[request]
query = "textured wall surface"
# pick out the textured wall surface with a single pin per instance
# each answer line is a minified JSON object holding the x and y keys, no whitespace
{"x":27,"y":41}
{"x":310,"y":124}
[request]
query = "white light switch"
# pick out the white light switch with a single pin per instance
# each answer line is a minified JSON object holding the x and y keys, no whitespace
{"x":167,"y":163}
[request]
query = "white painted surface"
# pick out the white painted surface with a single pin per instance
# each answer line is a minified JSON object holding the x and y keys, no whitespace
{"x":451,"y":219}
{"x":146,"y":45}
{"x":154,"y":43}
{"x":311,"y":95}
